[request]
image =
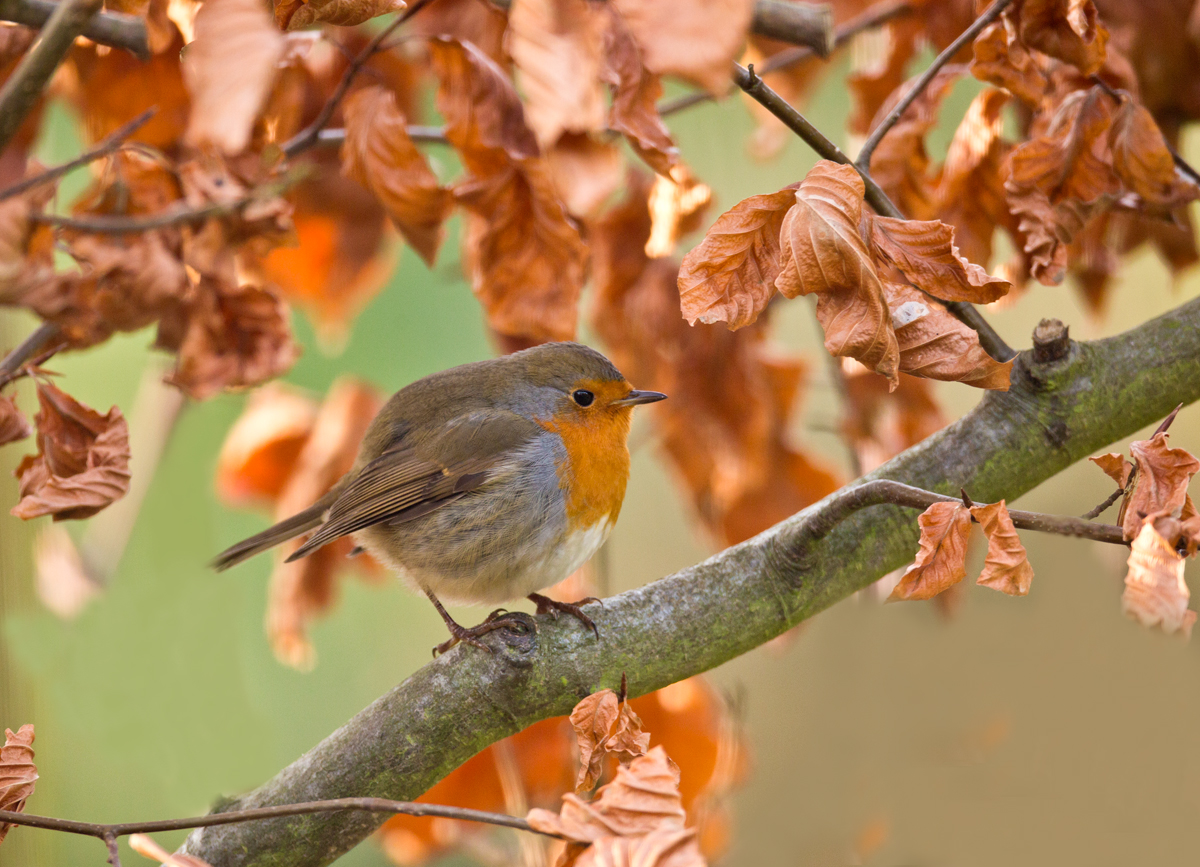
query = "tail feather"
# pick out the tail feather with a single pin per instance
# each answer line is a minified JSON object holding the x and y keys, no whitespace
{"x":286,"y":529}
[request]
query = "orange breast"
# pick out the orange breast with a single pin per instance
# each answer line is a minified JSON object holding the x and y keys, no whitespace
{"x":596,"y":468}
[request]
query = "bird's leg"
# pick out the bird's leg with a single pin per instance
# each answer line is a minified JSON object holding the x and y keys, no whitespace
{"x":496,"y":620}
{"x":546,"y":605}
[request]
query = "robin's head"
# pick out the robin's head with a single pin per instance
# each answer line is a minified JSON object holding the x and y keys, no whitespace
{"x":574,"y":383}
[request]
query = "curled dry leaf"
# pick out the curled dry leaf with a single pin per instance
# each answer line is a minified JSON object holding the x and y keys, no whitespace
{"x":696,"y":41}
{"x":586,"y":171}
{"x":379,"y":155}
{"x":1142,"y":160}
{"x":22,"y":261}
{"x":677,"y":203}
{"x":299,"y":14}
{"x":304,"y":588}
{"x":1155,"y":592}
{"x":641,"y":799}
{"x":730,"y":276}
{"x":231,"y":337}
{"x":926,"y":254}
{"x":676,"y":847}
{"x":557,"y":47}
{"x":935,"y":344}
{"x":82,"y":464}
{"x":1069,"y":30}
{"x":942,"y":559}
{"x":605,"y":726}
{"x":13,"y":424}
{"x":1160,"y":481}
{"x":229,"y":70}
{"x":1007,"y":566}
{"x":260,"y":451}
{"x":635,"y":95}
{"x":1002,"y":59}
{"x":1115,"y":467}
{"x":18,"y":774}
{"x":824,"y":254}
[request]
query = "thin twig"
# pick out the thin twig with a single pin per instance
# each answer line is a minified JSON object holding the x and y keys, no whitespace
{"x":41,"y":338}
{"x":29,"y":79}
{"x":874,"y":17}
{"x":880,"y":492}
{"x":1112,"y":498}
{"x":758,"y":89}
{"x":110,"y":143}
{"x":336,"y":805}
{"x":310,"y":135}
{"x":910,"y":96}
{"x":115,"y":29}
{"x":420,"y":134}
{"x":114,"y":853}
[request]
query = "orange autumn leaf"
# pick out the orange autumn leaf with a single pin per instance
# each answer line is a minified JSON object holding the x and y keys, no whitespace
{"x":260,"y":450}
{"x":942,"y":559}
{"x":299,"y":14}
{"x":935,"y":344}
{"x":635,"y":95}
{"x":586,"y":171}
{"x":147,"y":848}
{"x":1142,"y":160}
{"x":1069,"y":30}
{"x":730,"y":276}
{"x":1115,"y":467}
{"x":675,"y":847}
{"x":380,"y":156}
{"x":824,"y":254}
{"x":82,"y":464}
{"x":557,"y":48}
{"x":1160,"y":480}
{"x":1007,"y":566}
{"x":1002,"y":59}
{"x":1155,"y":592}
{"x":926,"y":254}
{"x":18,"y":774}
{"x":605,"y":726}
{"x":677,"y":203}
{"x":13,"y":424}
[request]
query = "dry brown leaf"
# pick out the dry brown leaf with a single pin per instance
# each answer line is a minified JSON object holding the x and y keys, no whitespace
{"x":379,"y":155}
{"x":1142,"y":160}
{"x":13,"y":424}
{"x":586,"y":172}
{"x":82,"y":464}
{"x":261,"y":448}
{"x":1155,"y":592}
{"x":299,"y":14}
{"x":1002,"y":59}
{"x":304,"y":588}
{"x":671,"y":848}
{"x":643,"y":798}
{"x":20,"y":266}
{"x":926,"y":254}
{"x":18,"y":774}
{"x":1115,"y":467}
{"x":935,"y":344}
{"x":824,"y":254}
{"x":730,"y":276}
{"x":677,"y":203}
{"x":635,"y":95}
{"x":229,"y":70}
{"x":1160,"y":481}
{"x":1069,"y":30}
{"x":146,"y":847}
{"x":696,"y":41}
{"x":231,"y":337}
{"x":557,"y":46}
{"x":605,"y":726}
{"x":1007,"y":566}
{"x":942,"y":559}
{"x":871,"y":85}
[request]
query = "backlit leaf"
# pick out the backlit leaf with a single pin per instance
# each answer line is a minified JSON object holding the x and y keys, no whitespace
{"x":18,"y":774}
{"x":1155,"y":592}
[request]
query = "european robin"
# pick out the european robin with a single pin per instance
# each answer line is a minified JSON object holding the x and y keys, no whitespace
{"x":483,"y":483}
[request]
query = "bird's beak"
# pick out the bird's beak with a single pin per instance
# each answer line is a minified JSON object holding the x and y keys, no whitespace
{"x":636,"y":397}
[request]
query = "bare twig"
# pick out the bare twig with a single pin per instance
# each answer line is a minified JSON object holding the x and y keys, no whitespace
{"x":310,"y":135}
{"x":1112,"y":498}
{"x":910,"y":96}
{"x":807,"y":24}
{"x":29,"y":79}
{"x":114,"y":29}
{"x":758,"y":89}
{"x":420,"y":134}
{"x":1166,"y":422}
{"x":111,"y":143}
{"x":40,"y":339}
{"x":874,"y":17}
{"x":114,"y":854}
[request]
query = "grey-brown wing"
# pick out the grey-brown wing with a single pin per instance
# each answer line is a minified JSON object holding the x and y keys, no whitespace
{"x":410,"y":479}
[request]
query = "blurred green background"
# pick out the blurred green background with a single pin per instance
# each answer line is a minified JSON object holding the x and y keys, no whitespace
{"x":1037,"y":731}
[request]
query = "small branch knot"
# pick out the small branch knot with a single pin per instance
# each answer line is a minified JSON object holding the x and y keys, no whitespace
{"x":1051,"y":341}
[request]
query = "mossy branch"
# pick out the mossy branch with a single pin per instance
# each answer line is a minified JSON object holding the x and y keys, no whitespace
{"x":1057,"y":412}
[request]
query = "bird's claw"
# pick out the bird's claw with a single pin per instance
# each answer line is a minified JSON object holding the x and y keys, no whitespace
{"x":546,"y":605}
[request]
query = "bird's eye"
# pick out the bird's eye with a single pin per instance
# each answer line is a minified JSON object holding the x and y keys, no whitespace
{"x":583,"y":397}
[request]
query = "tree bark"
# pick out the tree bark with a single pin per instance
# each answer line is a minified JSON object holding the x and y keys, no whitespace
{"x":1056,"y":413}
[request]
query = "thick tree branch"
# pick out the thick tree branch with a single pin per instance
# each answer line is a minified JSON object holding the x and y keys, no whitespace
{"x":1055,"y":414}
{"x":29,"y":79}
{"x":114,"y":29}
{"x":990,"y":14}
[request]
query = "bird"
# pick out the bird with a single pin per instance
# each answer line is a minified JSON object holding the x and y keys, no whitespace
{"x":483,"y":483}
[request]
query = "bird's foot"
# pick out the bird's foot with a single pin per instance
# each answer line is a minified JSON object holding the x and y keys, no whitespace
{"x":546,"y":605}
{"x":498,"y":619}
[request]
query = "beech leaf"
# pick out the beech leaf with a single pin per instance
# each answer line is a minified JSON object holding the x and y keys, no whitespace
{"x":823,"y":253}
{"x":635,"y":95}
{"x":379,"y":155}
{"x":1002,"y":59}
{"x":260,"y":450}
{"x":1007,"y":566}
{"x":1069,"y":30}
{"x":1115,"y":467}
{"x":13,"y":424}
{"x":18,"y":774}
{"x":300,"y":14}
{"x":1155,"y":592}
{"x":605,"y":726}
{"x":942,"y":559}
{"x":1161,"y":477}
{"x":1142,"y":160}
{"x":925,"y":253}
{"x":730,"y":276}
{"x":669,"y":848}
{"x":82,"y":464}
